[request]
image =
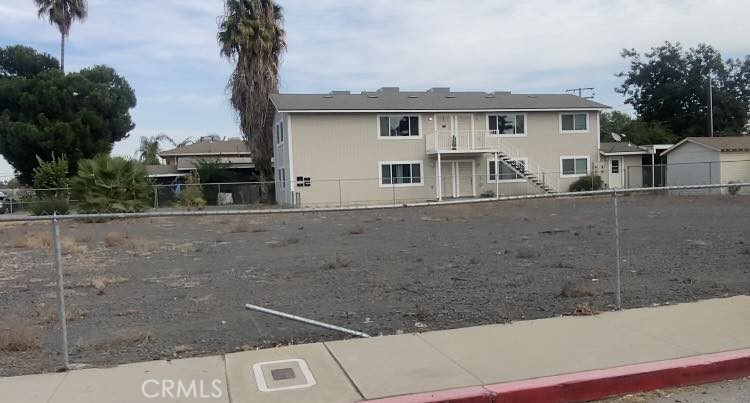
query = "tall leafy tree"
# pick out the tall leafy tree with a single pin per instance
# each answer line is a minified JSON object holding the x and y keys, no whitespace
{"x":79,"y":115}
{"x":669,"y":85}
{"x":613,"y":122}
{"x":252,"y":36}
{"x":62,"y":13}
{"x":23,"y":61}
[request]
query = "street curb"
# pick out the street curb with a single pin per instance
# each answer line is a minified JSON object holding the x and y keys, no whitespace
{"x":598,"y":384}
{"x":471,"y":394}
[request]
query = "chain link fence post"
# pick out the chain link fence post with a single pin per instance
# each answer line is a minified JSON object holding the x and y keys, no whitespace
{"x":340,"y":199}
{"x":156,"y":197}
{"x":618,"y":296}
{"x":60,"y":289}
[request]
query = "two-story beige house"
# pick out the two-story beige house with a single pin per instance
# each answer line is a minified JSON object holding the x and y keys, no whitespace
{"x":390,"y":145}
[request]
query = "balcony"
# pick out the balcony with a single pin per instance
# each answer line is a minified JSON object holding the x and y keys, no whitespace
{"x":462,"y":142}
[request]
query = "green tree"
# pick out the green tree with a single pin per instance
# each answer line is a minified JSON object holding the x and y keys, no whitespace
{"x":613,"y":122}
{"x":669,"y":85}
{"x":62,"y":13}
{"x":52,"y":174}
{"x":642,"y":133}
{"x":23,"y":61}
{"x":251,"y":35}
{"x":79,"y":115}
{"x":111,"y":185}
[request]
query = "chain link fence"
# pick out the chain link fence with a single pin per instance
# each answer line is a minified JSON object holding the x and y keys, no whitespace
{"x":103,"y":289}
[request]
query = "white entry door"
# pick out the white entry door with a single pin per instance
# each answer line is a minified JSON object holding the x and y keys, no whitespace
{"x":615,"y":173}
{"x":457,"y":178}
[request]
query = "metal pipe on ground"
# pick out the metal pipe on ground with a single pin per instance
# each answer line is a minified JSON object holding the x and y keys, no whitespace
{"x":306,"y":320}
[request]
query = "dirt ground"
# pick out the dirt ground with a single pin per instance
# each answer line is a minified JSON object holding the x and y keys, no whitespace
{"x":164,"y":288}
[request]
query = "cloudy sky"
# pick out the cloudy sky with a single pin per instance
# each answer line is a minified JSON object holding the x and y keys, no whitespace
{"x":168,"y":52}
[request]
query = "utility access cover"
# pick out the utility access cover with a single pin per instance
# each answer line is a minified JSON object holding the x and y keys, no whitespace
{"x":273,"y":376}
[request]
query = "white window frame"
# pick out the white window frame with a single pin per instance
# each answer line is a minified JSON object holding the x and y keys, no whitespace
{"x":492,"y":161}
{"x":612,"y":165}
{"x":588,"y":123}
{"x":390,"y":185}
{"x":282,"y":177}
{"x":575,"y":157}
{"x":410,"y":115}
{"x":525,"y":125}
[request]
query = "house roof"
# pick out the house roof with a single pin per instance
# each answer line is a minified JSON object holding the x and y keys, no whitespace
{"x":721,"y":144}
{"x":620,"y":148}
{"x":156,"y":171}
{"x":187,"y":163}
{"x":223,"y":147}
{"x":434,"y":99}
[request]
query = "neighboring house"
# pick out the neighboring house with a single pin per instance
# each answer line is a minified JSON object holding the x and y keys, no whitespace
{"x":619,"y":161}
{"x":182,"y":160}
{"x":707,"y":160}
{"x":410,"y":146}
{"x":626,"y":165}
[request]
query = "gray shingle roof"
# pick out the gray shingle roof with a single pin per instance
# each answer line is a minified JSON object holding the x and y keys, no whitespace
{"x":620,"y":147}
{"x":735,"y":143}
{"x":209,"y":148}
{"x":436,"y":99}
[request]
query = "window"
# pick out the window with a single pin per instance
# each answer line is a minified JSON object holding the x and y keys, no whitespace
{"x":574,"y":122}
{"x":574,"y":166}
{"x":282,"y":177}
{"x":404,"y":174}
{"x":398,"y":126}
{"x":506,"y":173}
{"x":615,"y":166}
{"x":279,"y":133}
{"x":507,"y":124}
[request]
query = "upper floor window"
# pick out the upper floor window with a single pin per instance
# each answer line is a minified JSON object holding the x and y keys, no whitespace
{"x":513,"y":124}
{"x":574,"y":122}
{"x":398,"y":126}
{"x":279,"y":133}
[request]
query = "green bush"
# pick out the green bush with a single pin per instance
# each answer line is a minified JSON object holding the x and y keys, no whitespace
{"x":213,"y":171}
{"x":190,"y":195}
{"x":586,"y":183}
{"x":50,"y":205}
{"x":51,"y":175}
{"x":111,"y":185}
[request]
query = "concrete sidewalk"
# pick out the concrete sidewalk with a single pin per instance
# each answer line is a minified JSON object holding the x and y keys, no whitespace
{"x":467,"y":362}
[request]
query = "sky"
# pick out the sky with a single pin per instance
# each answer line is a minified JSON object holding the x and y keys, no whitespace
{"x":168,"y":52}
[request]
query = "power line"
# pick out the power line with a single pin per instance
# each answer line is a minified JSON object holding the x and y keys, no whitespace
{"x":580,"y":92}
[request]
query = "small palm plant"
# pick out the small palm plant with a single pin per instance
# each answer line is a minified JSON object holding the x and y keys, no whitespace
{"x":111,"y":185}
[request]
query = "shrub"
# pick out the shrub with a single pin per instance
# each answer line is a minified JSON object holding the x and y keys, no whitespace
{"x":50,"y":205}
{"x":214,"y":171}
{"x":586,"y":183}
{"x":105,"y":184}
{"x":51,"y":175}
{"x":190,"y":195}
{"x":488,"y":193}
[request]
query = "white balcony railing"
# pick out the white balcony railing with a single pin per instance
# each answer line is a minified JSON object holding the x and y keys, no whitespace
{"x":461,"y":141}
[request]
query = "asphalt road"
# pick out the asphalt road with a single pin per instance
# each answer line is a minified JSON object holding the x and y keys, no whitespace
{"x":737,"y":391}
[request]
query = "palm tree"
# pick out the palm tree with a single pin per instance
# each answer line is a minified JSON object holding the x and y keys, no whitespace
{"x":251,"y":35}
{"x":62,"y":13}
{"x":149,"y":148}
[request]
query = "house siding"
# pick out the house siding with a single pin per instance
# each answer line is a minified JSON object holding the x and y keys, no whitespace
{"x":341,"y":152}
{"x":735,"y":167}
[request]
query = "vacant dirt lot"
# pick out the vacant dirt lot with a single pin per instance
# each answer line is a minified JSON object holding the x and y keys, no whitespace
{"x":163,"y":288}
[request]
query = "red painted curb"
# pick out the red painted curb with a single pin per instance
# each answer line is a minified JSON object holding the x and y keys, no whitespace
{"x":597,"y":384}
{"x":472,"y":394}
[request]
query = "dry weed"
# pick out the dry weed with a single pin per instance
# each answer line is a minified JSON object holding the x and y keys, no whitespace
{"x":239,"y":227}
{"x":585,"y":309}
{"x":356,"y":230}
{"x":17,"y":335}
{"x":115,"y":239}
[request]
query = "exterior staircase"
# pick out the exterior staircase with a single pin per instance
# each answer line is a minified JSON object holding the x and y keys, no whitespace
{"x":531,"y":177}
